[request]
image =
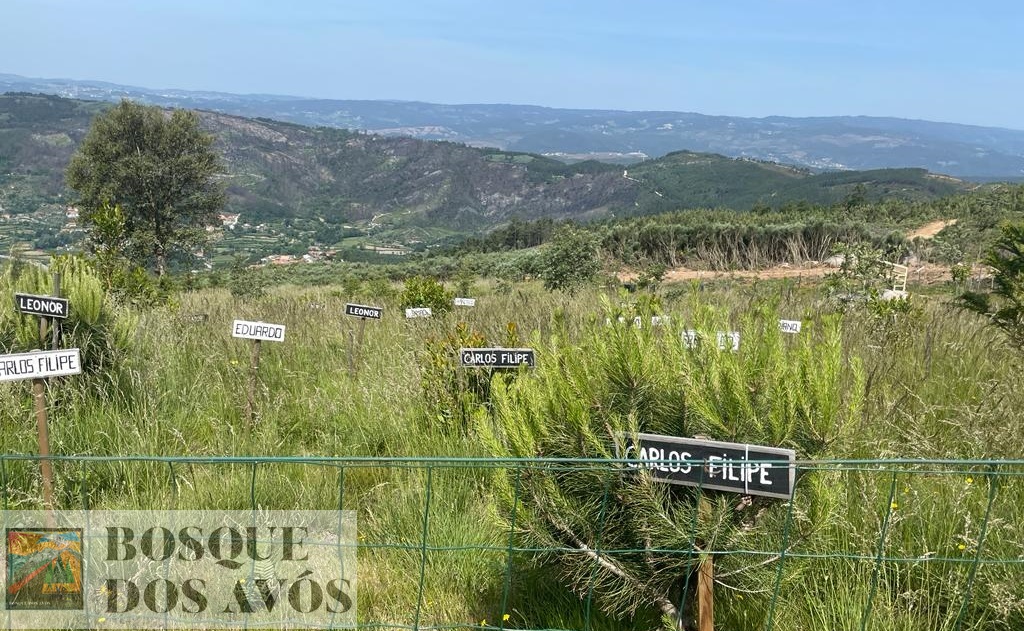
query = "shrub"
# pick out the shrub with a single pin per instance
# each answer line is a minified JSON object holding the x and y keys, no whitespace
{"x":243,"y":282}
{"x":584,"y":398}
{"x":422,"y":291}
{"x":570,"y":261}
{"x":94,"y":325}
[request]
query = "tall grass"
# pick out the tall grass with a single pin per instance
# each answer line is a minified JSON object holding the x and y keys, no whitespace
{"x":935,"y":384}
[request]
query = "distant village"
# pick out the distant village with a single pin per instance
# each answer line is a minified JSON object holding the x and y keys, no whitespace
{"x":314,"y":254}
{"x":68,"y":217}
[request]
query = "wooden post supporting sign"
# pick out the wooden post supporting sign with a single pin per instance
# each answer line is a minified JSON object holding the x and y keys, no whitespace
{"x":706,"y":594}
{"x":46,"y":308}
{"x":37,"y":366}
{"x":254,"y":371}
{"x":257,"y":332}
{"x":711,"y":466}
{"x":363,"y":312}
{"x":705,"y":577}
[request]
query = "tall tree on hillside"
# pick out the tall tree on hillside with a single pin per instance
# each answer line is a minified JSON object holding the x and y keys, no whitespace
{"x":160,"y":169}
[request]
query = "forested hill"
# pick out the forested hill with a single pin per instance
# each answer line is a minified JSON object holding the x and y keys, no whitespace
{"x":281,"y":170}
{"x":833,"y":142}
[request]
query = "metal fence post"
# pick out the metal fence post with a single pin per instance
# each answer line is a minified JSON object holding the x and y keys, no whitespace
{"x":883,"y":533}
{"x":511,"y":542}
{"x":770,"y":621}
{"x":423,"y":544}
{"x":602,"y":523}
{"x":993,"y":484}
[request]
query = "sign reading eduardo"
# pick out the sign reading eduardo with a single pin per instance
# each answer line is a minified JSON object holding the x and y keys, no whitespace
{"x":257,"y":331}
{"x":709,"y":464}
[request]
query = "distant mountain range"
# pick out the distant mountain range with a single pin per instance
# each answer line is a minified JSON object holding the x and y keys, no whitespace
{"x":286,"y":174}
{"x":820,"y":143}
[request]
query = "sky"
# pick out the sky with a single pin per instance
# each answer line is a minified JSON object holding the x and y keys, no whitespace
{"x":940,"y":60}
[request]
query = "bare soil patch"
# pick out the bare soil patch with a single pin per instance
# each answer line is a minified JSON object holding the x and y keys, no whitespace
{"x":925,"y":274}
{"x":931,"y":229}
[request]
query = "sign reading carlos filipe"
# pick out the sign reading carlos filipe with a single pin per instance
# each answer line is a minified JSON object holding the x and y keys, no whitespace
{"x":496,"y":357}
{"x":364,"y":311}
{"x":722,"y":466}
{"x":257,"y":331}
{"x":40,"y":364}
{"x":48,"y":306}
{"x":180,"y":569}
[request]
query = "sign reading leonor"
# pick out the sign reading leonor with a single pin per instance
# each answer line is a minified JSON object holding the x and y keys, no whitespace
{"x":40,"y":364}
{"x":363,"y":311}
{"x":736,"y":467}
{"x":41,"y":305}
{"x":258,"y":331}
{"x":496,"y":357}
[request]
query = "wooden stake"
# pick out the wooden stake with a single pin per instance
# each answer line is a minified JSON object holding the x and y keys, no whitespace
{"x":359,"y":345}
{"x":56,"y":321}
{"x":39,"y":403}
{"x":39,"y":399}
{"x":705,"y":578}
{"x":706,"y":594}
{"x":351,"y":352}
{"x":254,"y":366}
{"x":355,"y":347}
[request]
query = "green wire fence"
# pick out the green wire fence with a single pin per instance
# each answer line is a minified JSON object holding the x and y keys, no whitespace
{"x":932,"y":537}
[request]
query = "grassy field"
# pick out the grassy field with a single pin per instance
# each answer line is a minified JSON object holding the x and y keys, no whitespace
{"x":867,"y":545}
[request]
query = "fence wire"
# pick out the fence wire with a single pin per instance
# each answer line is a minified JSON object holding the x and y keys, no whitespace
{"x":920,"y":534}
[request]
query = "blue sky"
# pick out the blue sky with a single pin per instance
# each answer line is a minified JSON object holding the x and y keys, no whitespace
{"x":949,"y":61}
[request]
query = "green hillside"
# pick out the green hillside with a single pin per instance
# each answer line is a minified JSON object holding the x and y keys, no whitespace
{"x":297,"y":186}
{"x":700,"y":180}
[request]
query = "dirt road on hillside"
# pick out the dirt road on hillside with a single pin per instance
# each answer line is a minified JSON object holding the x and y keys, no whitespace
{"x":926,"y":274}
{"x":929,"y":230}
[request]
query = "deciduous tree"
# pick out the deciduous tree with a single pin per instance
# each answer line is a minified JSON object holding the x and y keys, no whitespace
{"x":570,"y":261}
{"x":160,"y":168}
